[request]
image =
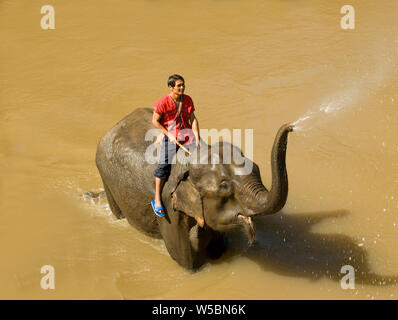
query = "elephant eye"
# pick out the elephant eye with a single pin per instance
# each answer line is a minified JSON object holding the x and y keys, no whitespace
{"x":224,"y":185}
{"x":225,"y":189}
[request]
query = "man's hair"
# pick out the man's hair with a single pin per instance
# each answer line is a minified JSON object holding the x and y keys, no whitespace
{"x":173,"y":78}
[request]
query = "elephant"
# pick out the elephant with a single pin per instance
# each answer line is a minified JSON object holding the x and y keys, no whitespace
{"x":202,"y":200}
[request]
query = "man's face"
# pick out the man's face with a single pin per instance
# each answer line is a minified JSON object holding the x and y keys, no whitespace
{"x":178,"y":88}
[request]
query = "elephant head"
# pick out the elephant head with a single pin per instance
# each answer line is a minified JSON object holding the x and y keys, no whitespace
{"x":220,"y":198}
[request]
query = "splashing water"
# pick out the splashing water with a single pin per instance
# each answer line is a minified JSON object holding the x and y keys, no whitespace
{"x":357,"y":89}
{"x":330,"y":106}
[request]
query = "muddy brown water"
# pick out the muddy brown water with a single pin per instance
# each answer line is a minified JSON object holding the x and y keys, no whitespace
{"x":248,"y":65}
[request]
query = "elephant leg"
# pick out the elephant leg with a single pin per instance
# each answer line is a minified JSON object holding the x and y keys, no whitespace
{"x":194,"y":237}
{"x":210,"y":242}
{"x":112,"y":203}
{"x":183,"y":240}
{"x":199,"y":238}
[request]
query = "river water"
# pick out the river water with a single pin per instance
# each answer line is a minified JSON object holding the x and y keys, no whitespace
{"x":247,"y":65}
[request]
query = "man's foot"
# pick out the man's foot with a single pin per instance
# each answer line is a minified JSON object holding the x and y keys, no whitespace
{"x":158,"y":210}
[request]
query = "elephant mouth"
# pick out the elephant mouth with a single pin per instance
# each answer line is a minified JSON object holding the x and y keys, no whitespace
{"x":248,"y":226}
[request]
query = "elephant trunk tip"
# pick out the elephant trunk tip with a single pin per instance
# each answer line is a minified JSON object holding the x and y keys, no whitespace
{"x":289,"y":127}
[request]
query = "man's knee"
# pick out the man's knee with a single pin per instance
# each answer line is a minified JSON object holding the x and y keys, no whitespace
{"x":163,"y":172}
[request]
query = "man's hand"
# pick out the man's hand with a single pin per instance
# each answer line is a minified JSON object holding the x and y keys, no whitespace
{"x":172,"y":138}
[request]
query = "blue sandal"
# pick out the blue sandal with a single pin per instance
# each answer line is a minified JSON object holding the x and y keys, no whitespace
{"x":156,"y":209}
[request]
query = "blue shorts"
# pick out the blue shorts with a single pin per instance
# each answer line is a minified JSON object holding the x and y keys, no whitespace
{"x":167,"y":152}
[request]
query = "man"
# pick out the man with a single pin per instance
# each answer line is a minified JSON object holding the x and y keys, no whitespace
{"x":172,"y":114}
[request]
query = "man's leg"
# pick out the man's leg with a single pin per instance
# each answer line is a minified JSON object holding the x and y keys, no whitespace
{"x":162,"y":172}
{"x":159,"y":183}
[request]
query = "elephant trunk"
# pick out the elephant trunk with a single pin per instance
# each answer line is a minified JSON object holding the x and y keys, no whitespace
{"x":257,"y":200}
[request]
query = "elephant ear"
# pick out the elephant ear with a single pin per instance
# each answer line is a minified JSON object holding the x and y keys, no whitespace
{"x":186,"y":198}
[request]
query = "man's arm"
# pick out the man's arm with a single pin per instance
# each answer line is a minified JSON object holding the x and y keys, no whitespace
{"x":195,"y":128}
{"x":156,"y":123}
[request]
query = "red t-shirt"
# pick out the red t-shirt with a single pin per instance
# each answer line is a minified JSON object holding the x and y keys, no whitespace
{"x":167,"y":108}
